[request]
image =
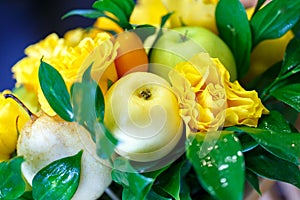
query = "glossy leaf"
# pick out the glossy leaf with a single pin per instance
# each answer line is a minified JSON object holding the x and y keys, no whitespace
{"x":127,"y":6}
{"x":247,"y":142}
{"x":26,"y":196}
{"x":89,"y":106}
{"x":169,"y":181}
{"x":185,"y":192}
{"x":258,"y":5}
{"x":289,"y":94}
{"x":252,"y":178}
{"x":221,"y":171}
{"x":12,"y":184}
{"x":120,"y":9}
{"x":275,"y":122}
{"x":154,"y":195}
{"x":134,"y":184}
{"x":274,"y":20}
{"x":58,"y":180}
{"x":269,"y":166}
{"x":291,"y":61}
{"x":234,"y":29}
{"x":88,"y":13}
{"x":55,"y":91}
{"x":283,"y":145}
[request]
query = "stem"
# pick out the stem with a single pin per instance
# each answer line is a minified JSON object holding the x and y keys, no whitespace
{"x":265,"y":94}
{"x":146,"y":94}
{"x":185,"y":36}
{"x":111,"y":194}
{"x":32,"y":116}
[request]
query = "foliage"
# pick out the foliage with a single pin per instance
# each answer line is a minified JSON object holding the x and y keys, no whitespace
{"x":240,"y":154}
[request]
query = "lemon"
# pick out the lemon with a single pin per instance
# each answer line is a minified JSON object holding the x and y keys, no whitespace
{"x":266,"y":53}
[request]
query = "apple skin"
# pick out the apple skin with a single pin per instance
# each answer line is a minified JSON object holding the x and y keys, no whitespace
{"x":142,"y":112}
{"x":181,"y":43}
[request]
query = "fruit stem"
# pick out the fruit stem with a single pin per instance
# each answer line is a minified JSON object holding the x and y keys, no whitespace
{"x":32,"y":116}
{"x":184,"y":37}
{"x":146,"y":94}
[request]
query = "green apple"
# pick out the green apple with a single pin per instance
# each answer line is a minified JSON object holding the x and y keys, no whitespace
{"x":142,"y":112}
{"x":181,"y":43}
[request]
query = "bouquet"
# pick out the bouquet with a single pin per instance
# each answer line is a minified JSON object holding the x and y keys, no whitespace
{"x":157,"y":100}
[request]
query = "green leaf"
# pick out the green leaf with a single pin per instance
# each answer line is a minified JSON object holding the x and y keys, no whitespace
{"x":283,"y":145}
{"x":12,"y":184}
{"x":274,"y":20}
{"x":55,"y":91}
{"x":59,"y":179}
{"x":221,"y":171}
{"x":89,"y":107}
{"x":105,"y":141}
{"x":234,"y":29}
{"x":26,"y":196}
{"x":134,"y":184}
{"x":88,"y":13}
{"x":154,"y":195}
{"x":185,"y":192}
{"x":120,"y":9}
{"x":247,"y":142}
{"x":269,"y":166}
{"x":291,"y":61}
{"x":252,"y":178}
{"x":289,"y":94}
{"x":258,"y":5}
{"x":169,"y":180}
{"x":127,"y":6}
{"x":275,"y":122}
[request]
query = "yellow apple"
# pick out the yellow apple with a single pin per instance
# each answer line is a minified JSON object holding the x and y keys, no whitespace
{"x":181,"y":43}
{"x":142,"y":112}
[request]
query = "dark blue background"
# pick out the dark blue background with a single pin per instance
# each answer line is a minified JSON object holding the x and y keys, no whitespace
{"x":24,"y":22}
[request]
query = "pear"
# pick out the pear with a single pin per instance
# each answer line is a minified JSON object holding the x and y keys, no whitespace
{"x":46,"y":139}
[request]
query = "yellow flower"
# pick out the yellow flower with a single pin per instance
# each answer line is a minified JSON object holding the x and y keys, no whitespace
{"x":191,"y":12}
{"x":105,"y":24}
{"x":12,"y":118}
{"x":201,"y":93}
{"x":70,"y":55}
{"x":148,"y":12}
{"x":208,"y":100}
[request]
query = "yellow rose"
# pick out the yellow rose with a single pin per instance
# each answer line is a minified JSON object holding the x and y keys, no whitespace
{"x":201,"y":92}
{"x":70,"y":55}
{"x":192,"y":13}
{"x":12,"y":118}
{"x":208,"y":100}
{"x":148,"y":12}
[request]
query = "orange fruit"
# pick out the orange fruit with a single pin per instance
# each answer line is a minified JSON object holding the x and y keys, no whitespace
{"x":132,"y":56}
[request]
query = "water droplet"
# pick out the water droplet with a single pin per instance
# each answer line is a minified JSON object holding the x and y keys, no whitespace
{"x":223,"y":182}
{"x":203,"y":162}
{"x":216,"y":146}
{"x":222,"y":167}
{"x":239,"y":153}
{"x":209,"y":148}
{"x":234,"y":158}
{"x":293,"y":145}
